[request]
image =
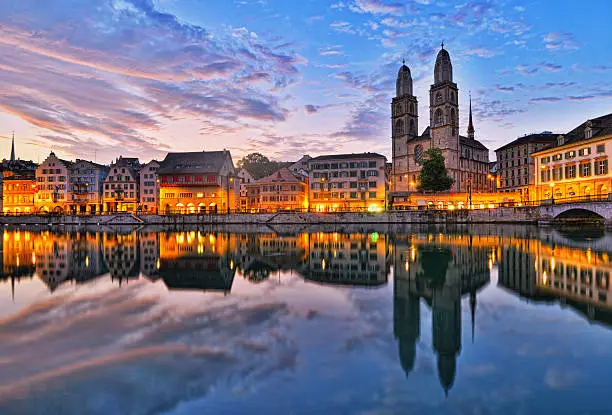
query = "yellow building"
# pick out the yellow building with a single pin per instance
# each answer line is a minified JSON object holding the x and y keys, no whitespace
{"x":282,"y":190}
{"x":577,"y":165}
{"x":18,"y":195}
{"x":198,"y":182}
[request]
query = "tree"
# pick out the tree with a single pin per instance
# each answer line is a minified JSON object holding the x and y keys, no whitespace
{"x":258,"y":165}
{"x":253,"y":158}
{"x":434,"y":177}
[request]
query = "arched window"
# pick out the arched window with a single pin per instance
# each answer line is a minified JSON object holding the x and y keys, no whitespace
{"x":452,"y":96}
{"x":438,"y":98}
{"x":412,"y":128}
{"x":412,"y":108}
{"x":452,"y":116}
{"x":438,"y":117}
{"x":399,"y":127}
{"x":398,"y":108}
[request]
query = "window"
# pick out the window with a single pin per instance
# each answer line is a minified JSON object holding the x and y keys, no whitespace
{"x":372,"y":173}
{"x":372,"y":195}
{"x":601,"y":167}
{"x":585,"y":169}
{"x":371,"y":164}
{"x":438,"y":117}
{"x":371,"y":184}
{"x":601,"y":148}
{"x":570,"y":172}
{"x":353,"y":195}
{"x":557,"y":173}
{"x":353,"y":185}
{"x":570,"y":154}
{"x":545,"y":175}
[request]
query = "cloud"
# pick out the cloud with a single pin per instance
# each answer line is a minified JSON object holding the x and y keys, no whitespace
{"x":377,"y":7}
{"x":331,"y":51}
{"x":122,"y":87}
{"x":481,"y":52}
{"x":546,"y":99}
{"x":560,"y":41}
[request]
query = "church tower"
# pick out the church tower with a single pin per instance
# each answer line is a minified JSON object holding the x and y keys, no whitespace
{"x":404,"y":126}
{"x":13,"y":148}
{"x":444,"y":113}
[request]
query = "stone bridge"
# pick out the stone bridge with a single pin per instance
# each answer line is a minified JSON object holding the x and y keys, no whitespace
{"x":583,"y":210}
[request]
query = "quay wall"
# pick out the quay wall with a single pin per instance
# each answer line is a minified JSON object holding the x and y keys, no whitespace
{"x":526,"y":215}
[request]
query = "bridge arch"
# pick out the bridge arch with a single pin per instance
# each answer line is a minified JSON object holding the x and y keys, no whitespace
{"x":579,"y":213}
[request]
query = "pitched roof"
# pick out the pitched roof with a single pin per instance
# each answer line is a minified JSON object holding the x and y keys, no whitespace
{"x":545,"y":137}
{"x":347,"y":156}
{"x":281,"y":175}
{"x":472,"y":143}
{"x":194,"y":162}
{"x":600,"y":126}
{"x":96,"y":165}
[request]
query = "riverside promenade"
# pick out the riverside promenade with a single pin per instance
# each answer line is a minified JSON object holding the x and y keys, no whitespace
{"x":538,"y":215}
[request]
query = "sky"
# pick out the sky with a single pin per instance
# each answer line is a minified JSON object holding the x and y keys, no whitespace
{"x":102,"y":78}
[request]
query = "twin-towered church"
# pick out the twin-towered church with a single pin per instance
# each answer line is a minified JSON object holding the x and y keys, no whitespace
{"x":467,"y":160}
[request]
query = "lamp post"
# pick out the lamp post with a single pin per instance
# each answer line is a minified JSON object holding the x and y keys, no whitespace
{"x":552,"y":193}
{"x":228,"y":179}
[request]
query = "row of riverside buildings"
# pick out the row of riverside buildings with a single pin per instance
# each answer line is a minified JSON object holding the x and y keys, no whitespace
{"x":532,"y":168}
{"x":192,"y":183}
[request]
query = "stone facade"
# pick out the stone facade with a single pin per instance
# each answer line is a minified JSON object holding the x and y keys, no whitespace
{"x":121,"y":186}
{"x":347,"y":182}
{"x":466,"y":158}
{"x":516,"y":167}
{"x":53,"y":184}
{"x":149,"y":187}
{"x":86,"y":187}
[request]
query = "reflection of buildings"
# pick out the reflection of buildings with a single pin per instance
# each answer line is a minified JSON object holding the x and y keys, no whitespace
{"x":441,"y":271}
{"x":52,"y":254}
{"x":262,"y":254}
{"x":121,"y":255}
{"x":577,"y":277}
{"x":149,"y":254}
{"x":197,"y":261}
{"x":18,"y":257}
{"x":355,"y":259}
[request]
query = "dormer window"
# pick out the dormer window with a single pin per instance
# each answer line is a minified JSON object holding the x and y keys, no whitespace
{"x":560,"y":140}
{"x":588,"y":132}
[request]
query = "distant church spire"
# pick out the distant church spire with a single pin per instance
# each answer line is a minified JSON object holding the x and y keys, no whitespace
{"x":470,"y":129}
{"x":473,"y":311}
{"x":13,"y":147}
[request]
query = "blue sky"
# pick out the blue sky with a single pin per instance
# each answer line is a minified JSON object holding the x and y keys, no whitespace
{"x":102,"y":78}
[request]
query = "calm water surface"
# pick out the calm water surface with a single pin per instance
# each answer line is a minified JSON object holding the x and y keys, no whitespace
{"x":423,"y":320}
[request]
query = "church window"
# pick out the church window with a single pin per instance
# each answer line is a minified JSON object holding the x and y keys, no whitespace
{"x":418,"y":154}
{"x":438,"y":118}
{"x":452,"y":96}
{"x":398,"y":108}
{"x":412,"y":128}
{"x":452,"y":116}
{"x":399,"y":127}
{"x":438,"y":98}
{"x":412,"y":108}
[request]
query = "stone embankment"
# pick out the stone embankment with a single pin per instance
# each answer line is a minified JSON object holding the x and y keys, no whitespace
{"x":525,"y":215}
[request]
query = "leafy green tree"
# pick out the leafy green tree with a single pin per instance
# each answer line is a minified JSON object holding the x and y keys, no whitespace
{"x":258,"y":165}
{"x":253,"y":158}
{"x":434,"y":177}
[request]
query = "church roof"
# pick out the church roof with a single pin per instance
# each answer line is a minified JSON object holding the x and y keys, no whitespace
{"x":404,"y":68}
{"x":465,"y":141}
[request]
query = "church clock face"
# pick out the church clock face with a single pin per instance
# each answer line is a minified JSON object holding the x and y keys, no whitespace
{"x":418,"y":154}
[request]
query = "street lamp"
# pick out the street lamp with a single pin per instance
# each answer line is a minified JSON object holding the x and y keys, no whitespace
{"x":552,"y":193}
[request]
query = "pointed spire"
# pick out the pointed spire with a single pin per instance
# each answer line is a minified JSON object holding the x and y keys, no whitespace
{"x":470,"y":129}
{"x":13,"y":147}
{"x":473,"y":311}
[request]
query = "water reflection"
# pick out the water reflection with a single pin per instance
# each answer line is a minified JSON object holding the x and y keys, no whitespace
{"x":440,"y":270}
{"x":433,"y":272}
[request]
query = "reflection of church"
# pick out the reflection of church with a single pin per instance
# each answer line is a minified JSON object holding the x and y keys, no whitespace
{"x":441,"y":275}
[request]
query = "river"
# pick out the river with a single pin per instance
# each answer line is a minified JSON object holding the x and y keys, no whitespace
{"x":419,"y":319}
